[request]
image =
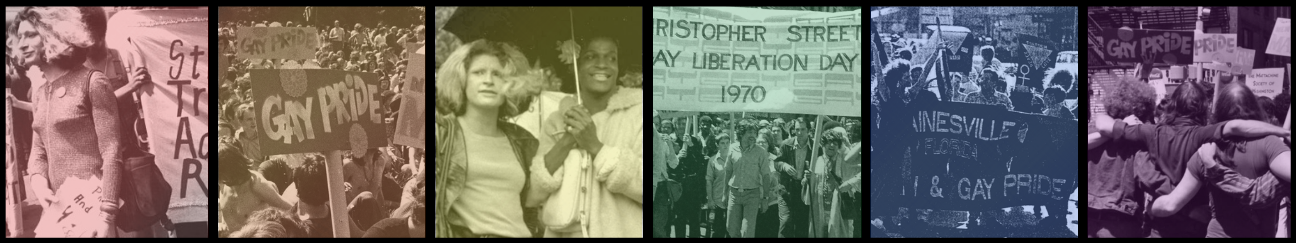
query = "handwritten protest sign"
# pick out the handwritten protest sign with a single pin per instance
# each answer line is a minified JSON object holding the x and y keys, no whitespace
{"x":1265,"y":81}
{"x":314,"y":110}
{"x":75,"y":211}
{"x":1135,"y":45}
{"x":173,"y":45}
{"x":1241,"y":65}
{"x":982,"y":157}
{"x":1214,"y":47}
{"x":277,"y":42}
{"x":722,"y":59}
{"x":411,"y":129}
{"x":1280,"y":38}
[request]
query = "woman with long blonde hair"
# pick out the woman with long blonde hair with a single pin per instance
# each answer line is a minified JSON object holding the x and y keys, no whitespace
{"x":483,"y":163}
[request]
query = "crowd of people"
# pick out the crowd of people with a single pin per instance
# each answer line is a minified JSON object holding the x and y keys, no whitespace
{"x":749,"y":177}
{"x":281,"y":196}
{"x":1187,"y":168}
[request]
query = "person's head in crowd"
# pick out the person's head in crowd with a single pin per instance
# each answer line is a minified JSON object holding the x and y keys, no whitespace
{"x":1130,"y":98}
{"x":904,"y":54}
{"x":1236,"y":101}
{"x":1021,"y":98}
{"x":989,"y":79}
{"x":1054,"y":95}
{"x":473,"y":75}
{"x":893,"y":78}
{"x":722,"y":141}
{"x":55,"y":36}
{"x":1282,"y":103}
{"x":834,"y":139}
{"x":987,"y":55}
{"x":261,"y":230}
{"x":1266,"y":105}
{"x":277,"y":170}
{"x":1061,"y":78}
{"x":916,"y":76}
{"x":748,"y":130}
{"x":667,"y":126}
{"x":599,"y":65}
{"x":97,"y":22}
{"x":763,"y":140}
{"x":311,"y":180}
{"x":1188,"y":105}
{"x":233,"y":164}
{"x":291,"y":225}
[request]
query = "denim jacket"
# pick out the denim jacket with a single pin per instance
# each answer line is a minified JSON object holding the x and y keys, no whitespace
{"x":452,"y":169}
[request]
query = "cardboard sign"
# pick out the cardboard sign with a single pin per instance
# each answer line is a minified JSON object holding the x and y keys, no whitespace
{"x":316,"y":110}
{"x":411,"y":129}
{"x":1134,"y":45}
{"x":1280,"y":38}
{"x":981,"y":157}
{"x":277,"y":42}
{"x":77,"y":207}
{"x":173,"y":45}
{"x":743,"y":62}
{"x":1265,"y":81}
{"x":1214,"y":47}
{"x":1241,"y":65}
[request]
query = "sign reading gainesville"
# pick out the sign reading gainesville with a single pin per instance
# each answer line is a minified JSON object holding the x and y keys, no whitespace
{"x":277,"y":42}
{"x":981,"y":157}
{"x":717,"y":59}
{"x":315,"y":110}
{"x":173,"y":45}
{"x":1163,"y":46}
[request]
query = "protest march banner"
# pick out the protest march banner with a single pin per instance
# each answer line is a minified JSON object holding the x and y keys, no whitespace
{"x":75,"y":211}
{"x":411,"y":129}
{"x":1265,"y":82}
{"x":173,"y":45}
{"x":317,"y":110}
{"x":723,"y":59}
{"x":277,"y":42}
{"x":1214,"y":47}
{"x":1280,"y":38}
{"x":981,"y":157}
{"x":1134,"y":45}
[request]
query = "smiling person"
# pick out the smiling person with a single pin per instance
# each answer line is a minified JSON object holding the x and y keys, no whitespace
{"x":607,"y":131}
{"x":75,"y":113}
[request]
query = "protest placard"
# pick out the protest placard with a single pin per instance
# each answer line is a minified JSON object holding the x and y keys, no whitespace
{"x":792,"y":62}
{"x":1214,"y":47}
{"x":173,"y":46}
{"x":1265,"y":81}
{"x":315,"y":110}
{"x":411,"y":129}
{"x":277,"y":42}
{"x":1241,"y":65}
{"x":1280,"y":38}
{"x":1135,"y":45}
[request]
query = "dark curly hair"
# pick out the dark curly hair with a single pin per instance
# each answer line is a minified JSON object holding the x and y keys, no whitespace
{"x":1131,"y":98}
{"x":312,"y":182}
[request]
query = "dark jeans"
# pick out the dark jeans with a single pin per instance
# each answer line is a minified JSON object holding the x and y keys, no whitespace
{"x":798,"y":224}
{"x":661,"y":211}
{"x":718,"y":227}
{"x":768,"y":225}
{"x":688,"y":212}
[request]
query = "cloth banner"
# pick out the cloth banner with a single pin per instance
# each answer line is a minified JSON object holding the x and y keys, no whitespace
{"x":981,"y":157}
{"x":316,"y":110}
{"x":173,"y":45}
{"x":726,"y":59}
{"x":1133,"y":45}
{"x":277,"y":42}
